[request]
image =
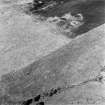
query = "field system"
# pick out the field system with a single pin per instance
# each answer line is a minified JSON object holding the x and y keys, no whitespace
{"x":52,"y":52}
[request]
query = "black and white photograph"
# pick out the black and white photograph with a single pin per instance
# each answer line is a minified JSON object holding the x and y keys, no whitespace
{"x":52,"y":52}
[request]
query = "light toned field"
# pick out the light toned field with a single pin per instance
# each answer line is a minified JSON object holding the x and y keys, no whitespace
{"x":87,"y":62}
{"x":23,"y":41}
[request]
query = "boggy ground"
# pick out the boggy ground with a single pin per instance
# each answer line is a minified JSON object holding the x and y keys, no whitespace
{"x":93,"y":12}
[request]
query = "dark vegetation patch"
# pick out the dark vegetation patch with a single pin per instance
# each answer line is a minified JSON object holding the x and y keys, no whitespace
{"x":40,"y":103}
{"x":40,"y":99}
{"x":28,"y":102}
{"x":93,"y":11}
